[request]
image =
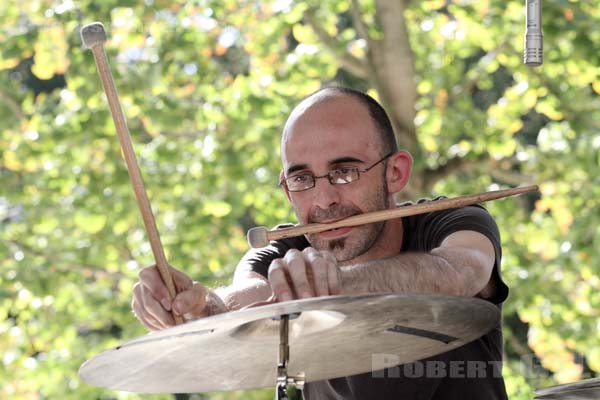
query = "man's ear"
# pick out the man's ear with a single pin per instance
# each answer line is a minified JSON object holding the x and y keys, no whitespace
{"x":284,"y":186}
{"x":398,"y":170}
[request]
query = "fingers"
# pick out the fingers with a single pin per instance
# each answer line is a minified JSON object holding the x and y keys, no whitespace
{"x":320,"y":268}
{"x":299,"y":274}
{"x":279,"y":282}
{"x":182,"y":281}
{"x":151,"y":301}
{"x":149,"y":311}
{"x":333,"y":274}
{"x":152,"y":281}
{"x":139,"y":312}
{"x":191,"y":303}
{"x":304,"y":274}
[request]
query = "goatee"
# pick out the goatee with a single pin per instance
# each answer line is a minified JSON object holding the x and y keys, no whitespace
{"x":337,"y":244}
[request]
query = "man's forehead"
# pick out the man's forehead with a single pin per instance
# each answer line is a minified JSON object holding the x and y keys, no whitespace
{"x":326,"y":110}
{"x":327,"y":126}
{"x":317,"y":154}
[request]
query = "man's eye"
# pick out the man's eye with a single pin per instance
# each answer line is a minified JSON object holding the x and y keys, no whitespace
{"x":342,"y":171}
{"x":300,"y":178}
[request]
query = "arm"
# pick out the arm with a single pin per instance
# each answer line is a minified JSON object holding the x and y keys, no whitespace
{"x":461,"y":266}
{"x":248,"y":288}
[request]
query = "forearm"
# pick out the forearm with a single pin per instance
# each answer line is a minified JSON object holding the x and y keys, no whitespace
{"x":442,"y":271}
{"x":241,"y":294}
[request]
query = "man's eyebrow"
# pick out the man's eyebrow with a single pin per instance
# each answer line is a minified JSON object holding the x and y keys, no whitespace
{"x":342,"y":160}
{"x":297,"y":167}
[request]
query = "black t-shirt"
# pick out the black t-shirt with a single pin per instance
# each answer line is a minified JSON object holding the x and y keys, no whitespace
{"x":470,"y":372}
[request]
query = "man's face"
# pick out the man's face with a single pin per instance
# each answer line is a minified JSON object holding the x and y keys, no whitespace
{"x":336,"y":133}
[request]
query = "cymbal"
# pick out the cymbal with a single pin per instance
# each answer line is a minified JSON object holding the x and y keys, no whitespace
{"x":583,"y":390}
{"x":332,"y":337}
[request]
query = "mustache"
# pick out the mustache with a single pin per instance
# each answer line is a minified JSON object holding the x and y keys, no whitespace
{"x":332,"y":213}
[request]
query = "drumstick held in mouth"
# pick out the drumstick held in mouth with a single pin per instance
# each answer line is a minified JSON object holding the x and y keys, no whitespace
{"x":260,"y":236}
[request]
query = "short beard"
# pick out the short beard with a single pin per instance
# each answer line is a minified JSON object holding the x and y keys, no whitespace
{"x":369,"y":236}
{"x":366,"y":235}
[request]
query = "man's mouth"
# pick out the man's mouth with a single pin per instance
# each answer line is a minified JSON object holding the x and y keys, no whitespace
{"x":331,"y":220}
{"x":333,"y":230}
{"x":332,"y":217}
{"x":336,"y":232}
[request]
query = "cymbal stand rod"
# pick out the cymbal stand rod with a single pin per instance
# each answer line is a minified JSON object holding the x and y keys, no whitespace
{"x":284,"y":356}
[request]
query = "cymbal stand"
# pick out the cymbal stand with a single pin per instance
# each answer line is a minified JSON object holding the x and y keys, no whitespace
{"x":284,"y":356}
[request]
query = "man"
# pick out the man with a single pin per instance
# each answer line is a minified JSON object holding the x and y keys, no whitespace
{"x":339,"y":159}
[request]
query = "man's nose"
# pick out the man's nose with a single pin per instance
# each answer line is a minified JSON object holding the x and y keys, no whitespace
{"x":325,"y":194}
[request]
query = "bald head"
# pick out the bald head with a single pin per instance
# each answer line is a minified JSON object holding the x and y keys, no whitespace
{"x":373,"y":109}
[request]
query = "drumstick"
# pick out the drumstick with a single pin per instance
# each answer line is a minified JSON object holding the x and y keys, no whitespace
{"x":260,"y":236}
{"x":93,"y":36}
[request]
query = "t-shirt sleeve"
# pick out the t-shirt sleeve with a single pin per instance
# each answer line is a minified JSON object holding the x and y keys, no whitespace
{"x":258,"y":260}
{"x":428,"y":232}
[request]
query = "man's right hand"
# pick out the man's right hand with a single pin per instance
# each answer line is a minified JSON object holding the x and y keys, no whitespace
{"x":304,"y":274}
{"x":151,"y":302}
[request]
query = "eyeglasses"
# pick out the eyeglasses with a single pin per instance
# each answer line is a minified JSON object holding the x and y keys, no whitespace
{"x":338,"y":176}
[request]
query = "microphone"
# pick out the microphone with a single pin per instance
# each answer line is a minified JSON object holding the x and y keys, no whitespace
{"x":534,"y":46}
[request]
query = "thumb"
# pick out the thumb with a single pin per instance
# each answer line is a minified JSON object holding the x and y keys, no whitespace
{"x":191,"y":301}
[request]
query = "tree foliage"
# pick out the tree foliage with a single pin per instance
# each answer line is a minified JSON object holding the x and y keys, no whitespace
{"x":206,"y":87}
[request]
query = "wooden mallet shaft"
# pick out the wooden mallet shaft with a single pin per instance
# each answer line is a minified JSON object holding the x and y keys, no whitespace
{"x":260,"y":236}
{"x":94,"y":36}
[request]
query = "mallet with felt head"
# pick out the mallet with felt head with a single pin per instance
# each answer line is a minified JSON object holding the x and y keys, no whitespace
{"x":260,"y":236}
{"x":94,"y":36}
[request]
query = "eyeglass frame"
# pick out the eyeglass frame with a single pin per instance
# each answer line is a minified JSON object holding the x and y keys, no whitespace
{"x":330,"y":176}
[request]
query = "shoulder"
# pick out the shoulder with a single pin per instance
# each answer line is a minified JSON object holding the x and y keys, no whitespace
{"x":426,"y":231}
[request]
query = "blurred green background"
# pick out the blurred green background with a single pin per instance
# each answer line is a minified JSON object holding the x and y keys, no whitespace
{"x":206,"y":86}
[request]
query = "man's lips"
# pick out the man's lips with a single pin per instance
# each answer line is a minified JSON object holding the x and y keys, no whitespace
{"x":333,"y":233}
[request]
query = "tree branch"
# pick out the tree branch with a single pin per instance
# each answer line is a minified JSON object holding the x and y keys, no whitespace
{"x":13,"y":105}
{"x":358,"y":22}
{"x":478,"y":72}
{"x":352,"y":64}
{"x":391,"y":58}
{"x":520,"y":348}
{"x":453,"y":166}
{"x":511,"y":178}
{"x":500,"y":170}
{"x":569,"y":109}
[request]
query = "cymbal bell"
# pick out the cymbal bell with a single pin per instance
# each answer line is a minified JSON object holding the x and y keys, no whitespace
{"x":332,"y":337}
{"x":588,"y":389}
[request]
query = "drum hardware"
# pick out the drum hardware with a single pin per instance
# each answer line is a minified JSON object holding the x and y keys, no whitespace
{"x":588,"y":389}
{"x":284,"y":356}
{"x":293,"y":342}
